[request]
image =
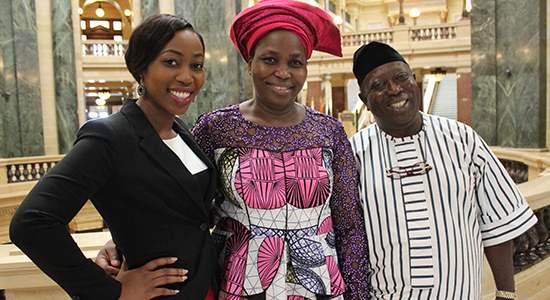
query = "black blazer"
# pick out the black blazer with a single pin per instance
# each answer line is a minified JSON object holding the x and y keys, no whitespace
{"x":153,"y":206}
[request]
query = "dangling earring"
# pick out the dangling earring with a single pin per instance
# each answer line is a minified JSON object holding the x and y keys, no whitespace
{"x":141,"y":87}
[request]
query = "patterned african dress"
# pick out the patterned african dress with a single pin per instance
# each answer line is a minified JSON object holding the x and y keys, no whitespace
{"x":288,"y":223}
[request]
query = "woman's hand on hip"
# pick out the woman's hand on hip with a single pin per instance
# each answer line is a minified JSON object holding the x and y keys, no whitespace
{"x":146,"y":282}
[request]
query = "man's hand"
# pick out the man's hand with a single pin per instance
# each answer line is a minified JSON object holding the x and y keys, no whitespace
{"x":146,"y":282}
{"x":108,"y":259}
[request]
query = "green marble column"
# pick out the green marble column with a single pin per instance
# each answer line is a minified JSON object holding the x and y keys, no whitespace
{"x":21,"y":127}
{"x":65,"y":74}
{"x":227,"y":80}
{"x":148,"y":8}
{"x":509,"y":72}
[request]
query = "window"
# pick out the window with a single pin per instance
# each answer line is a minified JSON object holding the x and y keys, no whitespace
{"x":332,"y":6}
{"x":96,"y":23}
{"x":117,"y":25}
{"x":105,"y":29}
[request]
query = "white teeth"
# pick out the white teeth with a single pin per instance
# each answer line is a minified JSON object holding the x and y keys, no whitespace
{"x":180,"y":95}
{"x":398,"y":104}
{"x":280,"y":87}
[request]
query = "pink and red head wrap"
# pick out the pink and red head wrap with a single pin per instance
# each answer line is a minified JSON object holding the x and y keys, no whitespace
{"x":312,"y":25}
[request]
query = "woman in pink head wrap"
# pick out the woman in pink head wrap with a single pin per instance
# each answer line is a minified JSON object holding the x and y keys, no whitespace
{"x":288,"y":223}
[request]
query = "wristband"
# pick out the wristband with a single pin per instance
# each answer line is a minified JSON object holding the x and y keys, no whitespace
{"x":506,"y":295}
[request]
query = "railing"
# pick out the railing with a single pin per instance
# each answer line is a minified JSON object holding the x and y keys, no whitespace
{"x":17,"y":178}
{"x":517,"y":170}
{"x":433,"y":33}
{"x":28,"y":171}
{"x":17,"y":174}
{"x":414,"y":34}
{"x":444,"y":31}
{"x":533,"y":246}
{"x":104,"y":48}
{"x":362,"y":38}
{"x":23,"y":169}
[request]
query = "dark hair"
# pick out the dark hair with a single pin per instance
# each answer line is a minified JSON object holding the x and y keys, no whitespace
{"x":150,"y":37}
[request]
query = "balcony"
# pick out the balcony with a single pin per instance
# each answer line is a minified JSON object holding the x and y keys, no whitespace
{"x":446,"y":44}
{"x":104,"y":60}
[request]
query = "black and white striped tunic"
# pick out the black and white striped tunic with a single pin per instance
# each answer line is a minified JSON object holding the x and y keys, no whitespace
{"x":426,"y":233}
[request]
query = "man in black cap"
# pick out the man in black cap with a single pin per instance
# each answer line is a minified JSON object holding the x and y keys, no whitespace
{"x":435,"y":197}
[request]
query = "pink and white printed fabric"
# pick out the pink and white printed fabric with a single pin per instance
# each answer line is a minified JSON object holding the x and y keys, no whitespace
{"x":277,"y":225}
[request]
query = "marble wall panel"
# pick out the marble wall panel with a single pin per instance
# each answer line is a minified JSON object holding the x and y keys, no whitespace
{"x":148,"y":8}
{"x":509,"y":72}
{"x":484,"y":69}
{"x":22,"y":118}
{"x":3,"y":98}
{"x":8,"y":110}
{"x":65,"y":74}
{"x":518,"y":73}
{"x":227,"y":80}
{"x":28,"y":78}
{"x":185,"y":9}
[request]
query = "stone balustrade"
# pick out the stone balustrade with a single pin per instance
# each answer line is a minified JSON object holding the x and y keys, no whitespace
{"x":359,"y":38}
{"x":522,"y":165}
{"x":18,"y":176}
{"x":447,"y":44}
{"x":433,"y":33}
{"x":104,"y":48}
{"x":404,"y":34}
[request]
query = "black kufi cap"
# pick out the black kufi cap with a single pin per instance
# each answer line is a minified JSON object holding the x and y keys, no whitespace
{"x":371,"y":56}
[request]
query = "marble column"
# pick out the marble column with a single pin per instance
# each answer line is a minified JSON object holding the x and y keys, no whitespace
{"x":327,"y":95}
{"x":227,"y":79}
{"x":21,"y":113}
{"x":65,"y":74}
{"x":148,"y":8}
{"x":47,"y":76}
{"x":509,"y":72}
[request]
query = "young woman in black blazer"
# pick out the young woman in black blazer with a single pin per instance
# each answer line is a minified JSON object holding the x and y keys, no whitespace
{"x":146,"y":176}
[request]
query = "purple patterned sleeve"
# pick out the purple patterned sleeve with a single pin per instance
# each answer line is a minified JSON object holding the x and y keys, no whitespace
{"x":348,"y":220}
{"x":201,"y":133}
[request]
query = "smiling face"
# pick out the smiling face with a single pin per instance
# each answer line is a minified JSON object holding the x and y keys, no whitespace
{"x":392,"y":95}
{"x":175,"y":76}
{"x":278,"y":68}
